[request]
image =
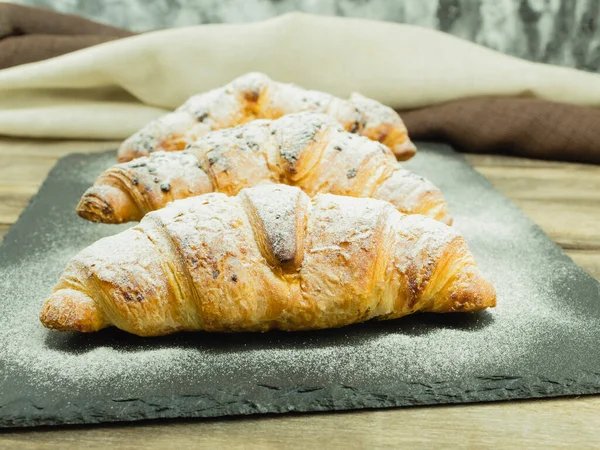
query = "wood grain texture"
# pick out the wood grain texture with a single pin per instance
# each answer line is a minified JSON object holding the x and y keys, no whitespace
{"x":563,"y":199}
{"x":540,"y":424}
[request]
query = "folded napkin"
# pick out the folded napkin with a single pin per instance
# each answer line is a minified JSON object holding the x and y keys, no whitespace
{"x":515,"y":126}
{"x":29,"y":34}
{"x":111,"y":90}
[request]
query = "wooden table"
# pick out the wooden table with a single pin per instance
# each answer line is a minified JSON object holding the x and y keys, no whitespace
{"x":564,"y":199}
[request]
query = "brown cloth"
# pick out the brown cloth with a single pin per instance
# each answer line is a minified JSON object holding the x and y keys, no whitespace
{"x":29,"y":34}
{"x":513,"y":126}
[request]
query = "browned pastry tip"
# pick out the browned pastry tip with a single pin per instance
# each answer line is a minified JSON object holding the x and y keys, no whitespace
{"x":173,"y":142}
{"x":127,"y":191}
{"x":127,"y":154}
{"x":394,"y":136}
{"x":467,"y":291}
{"x":108,"y":204}
{"x":413,"y":194}
{"x":404,"y":151}
{"x":72,"y":310}
{"x":434,"y":205}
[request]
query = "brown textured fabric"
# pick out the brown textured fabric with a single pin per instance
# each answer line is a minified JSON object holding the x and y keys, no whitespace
{"x":30,"y":34}
{"x":513,"y":126}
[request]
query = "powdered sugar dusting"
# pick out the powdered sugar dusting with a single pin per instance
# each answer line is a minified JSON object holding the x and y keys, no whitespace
{"x":343,"y":220}
{"x":155,"y":180}
{"x":536,"y":314}
{"x":103,"y":189}
{"x":162,"y":168}
{"x":158,"y":134}
{"x":278,"y":210}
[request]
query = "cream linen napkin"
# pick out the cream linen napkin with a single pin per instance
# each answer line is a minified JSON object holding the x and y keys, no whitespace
{"x":111,"y":90}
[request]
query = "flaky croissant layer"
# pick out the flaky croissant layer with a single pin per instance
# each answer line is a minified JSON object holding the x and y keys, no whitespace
{"x":255,"y":96}
{"x":308,"y":150}
{"x":269,"y":258}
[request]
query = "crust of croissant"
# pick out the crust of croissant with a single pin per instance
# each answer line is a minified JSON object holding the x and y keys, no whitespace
{"x":308,"y":150}
{"x":256,"y":96}
{"x":72,"y":310}
{"x":269,"y":258}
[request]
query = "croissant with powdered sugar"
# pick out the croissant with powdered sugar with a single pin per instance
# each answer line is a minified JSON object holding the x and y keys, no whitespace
{"x":268,"y":258}
{"x":309,"y":150}
{"x":255,"y":96}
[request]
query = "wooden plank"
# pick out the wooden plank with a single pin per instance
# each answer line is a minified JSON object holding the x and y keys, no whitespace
{"x":570,"y":225}
{"x":528,"y":183}
{"x":12,"y":203}
{"x":52,"y":149}
{"x":480,"y":160}
{"x":24,"y":171}
{"x":571,"y":423}
{"x":588,"y":260}
{"x":562,"y":198}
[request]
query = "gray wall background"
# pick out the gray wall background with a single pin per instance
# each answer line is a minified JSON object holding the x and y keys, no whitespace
{"x":563,"y":32}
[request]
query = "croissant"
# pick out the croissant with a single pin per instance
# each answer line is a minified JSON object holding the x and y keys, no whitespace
{"x":256,"y":96}
{"x":269,"y":258}
{"x":309,"y":150}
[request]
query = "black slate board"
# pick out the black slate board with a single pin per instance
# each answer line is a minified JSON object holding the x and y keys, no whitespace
{"x":540,"y":341}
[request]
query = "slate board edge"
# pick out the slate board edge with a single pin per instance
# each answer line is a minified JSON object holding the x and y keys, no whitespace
{"x":332,"y":398}
{"x":35,"y":197}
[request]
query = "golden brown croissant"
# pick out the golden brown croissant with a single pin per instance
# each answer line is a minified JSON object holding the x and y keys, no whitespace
{"x":269,"y":258}
{"x":308,"y":150}
{"x":256,"y":96}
